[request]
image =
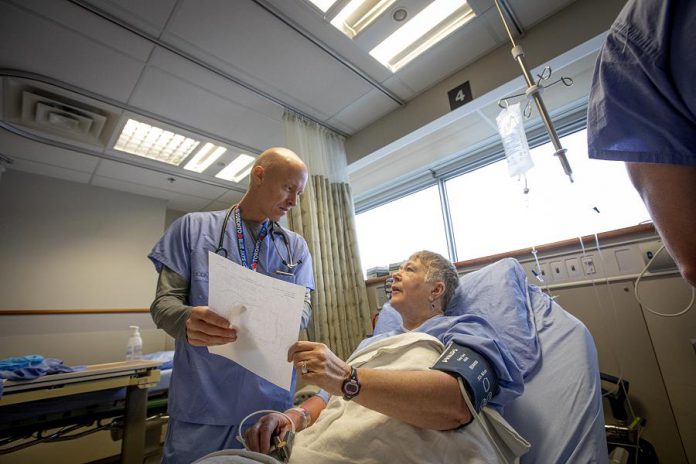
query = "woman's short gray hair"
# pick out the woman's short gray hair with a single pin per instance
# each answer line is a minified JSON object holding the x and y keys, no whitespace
{"x":438,"y":269}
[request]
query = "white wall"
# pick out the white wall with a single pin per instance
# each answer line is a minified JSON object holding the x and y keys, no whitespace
{"x":66,"y":245}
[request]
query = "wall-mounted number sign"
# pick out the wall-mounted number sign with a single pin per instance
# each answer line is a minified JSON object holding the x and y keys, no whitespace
{"x":459,"y":95}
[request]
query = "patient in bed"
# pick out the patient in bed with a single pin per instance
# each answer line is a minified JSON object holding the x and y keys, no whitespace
{"x":419,"y":394}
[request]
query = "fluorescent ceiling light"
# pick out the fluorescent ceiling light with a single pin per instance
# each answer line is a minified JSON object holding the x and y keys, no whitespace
{"x":358,"y":14}
{"x":432,"y":24}
{"x":205,"y":157}
{"x":238,"y":169}
{"x":151,"y":142}
{"x":323,"y":5}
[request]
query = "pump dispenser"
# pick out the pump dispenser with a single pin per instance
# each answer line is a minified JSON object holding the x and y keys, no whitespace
{"x":135,"y":345}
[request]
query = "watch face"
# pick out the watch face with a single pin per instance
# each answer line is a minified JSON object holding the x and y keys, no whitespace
{"x":351,"y":388}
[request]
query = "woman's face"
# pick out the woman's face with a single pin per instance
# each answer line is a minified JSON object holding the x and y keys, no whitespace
{"x":409,"y":288}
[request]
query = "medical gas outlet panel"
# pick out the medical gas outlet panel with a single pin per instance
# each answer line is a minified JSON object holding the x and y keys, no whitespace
{"x":612,"y":262}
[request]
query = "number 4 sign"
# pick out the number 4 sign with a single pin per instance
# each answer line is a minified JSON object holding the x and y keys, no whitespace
{"x":459,"y":95}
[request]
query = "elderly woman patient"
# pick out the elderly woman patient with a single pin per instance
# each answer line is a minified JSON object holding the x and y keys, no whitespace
{"x":424,"y":393}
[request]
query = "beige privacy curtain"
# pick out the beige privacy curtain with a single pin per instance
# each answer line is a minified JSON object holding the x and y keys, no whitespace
{"x":325,"y":218}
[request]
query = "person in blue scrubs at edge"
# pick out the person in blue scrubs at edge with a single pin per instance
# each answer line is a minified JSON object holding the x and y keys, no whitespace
{"x":209,"y":395}
{"x":642,"y":110}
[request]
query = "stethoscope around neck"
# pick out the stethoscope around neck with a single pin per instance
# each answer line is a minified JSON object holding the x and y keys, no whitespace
{"x":274,"y":229}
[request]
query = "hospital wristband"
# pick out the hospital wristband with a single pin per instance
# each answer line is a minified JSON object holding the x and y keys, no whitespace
{"x":306,"y":418}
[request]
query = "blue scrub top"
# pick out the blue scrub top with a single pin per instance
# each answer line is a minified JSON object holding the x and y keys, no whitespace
{"x":207,"y":388}
{"x":642,"y":104}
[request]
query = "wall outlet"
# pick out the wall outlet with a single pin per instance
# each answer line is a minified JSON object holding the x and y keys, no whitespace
{"x":573,"y":268}
{"x":558,"y":271}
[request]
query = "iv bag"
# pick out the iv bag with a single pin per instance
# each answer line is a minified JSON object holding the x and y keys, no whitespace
{"x":511,"y":131}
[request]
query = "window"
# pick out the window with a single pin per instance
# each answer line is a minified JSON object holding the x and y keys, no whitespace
{"x":391,"y":232}
{"x":491,"y":214}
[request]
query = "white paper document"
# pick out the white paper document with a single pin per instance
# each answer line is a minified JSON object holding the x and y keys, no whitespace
{"x":266,"y":313}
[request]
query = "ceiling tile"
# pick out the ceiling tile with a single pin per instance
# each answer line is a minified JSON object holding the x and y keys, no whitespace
{"x":42,"y":169}
{"x":86,"y":24}
{"x":36,"y":44}
{"x":221,"y":205}
{"x":182,"y":101}
{"x":176,"y":200}
{"x":531,"y":12}
{"x":18,"y":147}
{"x":365,"y":110}
{"x":254,"y":45}
{"x":230,"y":198}
{"x":151,"y":179}
{"x":150,"y":16}
{"x":396,"y":85}
{"x":311,"y":21}
{"x":217,"y":85}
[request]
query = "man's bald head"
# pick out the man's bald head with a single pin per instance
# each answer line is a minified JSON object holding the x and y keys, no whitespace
{"x":278,"y":158}
{"x":277,"y":178}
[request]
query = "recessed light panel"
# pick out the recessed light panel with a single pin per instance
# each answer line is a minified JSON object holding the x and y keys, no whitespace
{"x":152,"y":142}
{"x":358,"y":14}
{"x":428,"y":27}
{"x":205,"y":157}
{"x":238,"y":169}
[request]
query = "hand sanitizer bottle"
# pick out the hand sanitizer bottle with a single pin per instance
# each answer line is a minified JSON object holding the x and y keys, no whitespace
{"x":135,"y":345}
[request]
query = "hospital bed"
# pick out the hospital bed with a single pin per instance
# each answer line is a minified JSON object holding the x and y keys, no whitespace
{"x":560,"y":412}
{"x":121,"y":397}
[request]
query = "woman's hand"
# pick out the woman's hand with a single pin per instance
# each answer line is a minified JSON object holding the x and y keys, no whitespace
{"x":319,"y":366}
{"x":258,"y":436}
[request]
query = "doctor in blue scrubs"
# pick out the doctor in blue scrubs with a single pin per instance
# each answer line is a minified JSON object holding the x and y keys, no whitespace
{"x":209,"y":395}
{"x":642,"y":110}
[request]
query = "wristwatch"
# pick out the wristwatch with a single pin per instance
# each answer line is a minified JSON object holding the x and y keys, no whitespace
{"x":351,"y":386}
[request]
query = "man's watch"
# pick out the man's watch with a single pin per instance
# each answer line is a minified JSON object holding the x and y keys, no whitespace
{"x":351,"y":386}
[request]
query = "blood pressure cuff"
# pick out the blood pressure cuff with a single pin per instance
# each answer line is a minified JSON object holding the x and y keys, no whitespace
{"x":474,"y":369}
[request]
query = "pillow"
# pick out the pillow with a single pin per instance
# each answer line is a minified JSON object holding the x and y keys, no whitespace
{"x":498,"y":292}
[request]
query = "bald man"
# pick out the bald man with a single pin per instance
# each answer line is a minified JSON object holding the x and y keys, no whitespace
{"x":209,"y":395}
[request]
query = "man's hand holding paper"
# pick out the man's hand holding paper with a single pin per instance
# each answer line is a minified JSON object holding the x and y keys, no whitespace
{"x":207,"y":328}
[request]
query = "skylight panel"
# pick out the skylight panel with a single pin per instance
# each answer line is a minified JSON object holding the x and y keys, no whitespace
{"x":140,"y":139}
{"x":205,"y":157}
{"x":238,"y":169}
{"x":428,"y":27}
{"x":359,"y":14}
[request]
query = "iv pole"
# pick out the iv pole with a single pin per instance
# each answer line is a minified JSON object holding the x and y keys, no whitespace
{"x":534,"y":90}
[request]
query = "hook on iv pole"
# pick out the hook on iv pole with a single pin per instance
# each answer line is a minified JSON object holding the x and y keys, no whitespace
{"x":534,"y":90}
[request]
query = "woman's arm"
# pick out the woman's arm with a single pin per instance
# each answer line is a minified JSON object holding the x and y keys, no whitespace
{"x":428,"y":399}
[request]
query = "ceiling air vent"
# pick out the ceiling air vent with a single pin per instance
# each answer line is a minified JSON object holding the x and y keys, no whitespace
{"x":50,"y":114}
